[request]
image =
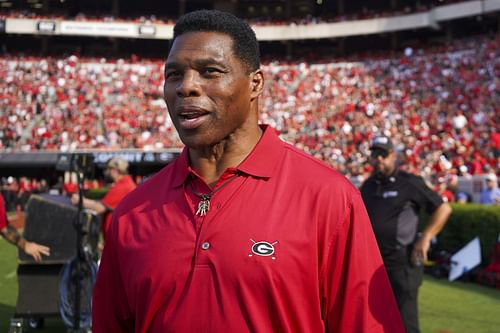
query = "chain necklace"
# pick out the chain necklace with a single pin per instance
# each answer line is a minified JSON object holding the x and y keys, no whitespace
{"x":204,"y":204}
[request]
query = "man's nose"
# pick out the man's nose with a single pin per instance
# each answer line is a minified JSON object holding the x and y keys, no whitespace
{"x":189,"y":85}
{"x":376,"y":160}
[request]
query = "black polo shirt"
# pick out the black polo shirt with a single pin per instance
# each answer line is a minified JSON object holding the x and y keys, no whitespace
{"x":393,"y":204}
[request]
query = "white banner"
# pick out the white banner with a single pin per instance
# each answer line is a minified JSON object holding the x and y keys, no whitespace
{"x":465,"y":259}
{"x":99,"y":29}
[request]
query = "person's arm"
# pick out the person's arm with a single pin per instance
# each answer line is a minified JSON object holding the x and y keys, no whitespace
{"x":33,"y":249}
{"x":14,"y":237}
{"x":95,"y":205}
{"x":356,"y":293}
{"x":436,"y":223}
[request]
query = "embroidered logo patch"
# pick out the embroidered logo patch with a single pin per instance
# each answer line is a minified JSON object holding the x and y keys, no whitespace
{"x":263,"y":248}
{"x":390,"y":194}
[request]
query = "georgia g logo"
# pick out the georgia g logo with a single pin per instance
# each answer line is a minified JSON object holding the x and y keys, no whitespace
{"x":263,"y":248}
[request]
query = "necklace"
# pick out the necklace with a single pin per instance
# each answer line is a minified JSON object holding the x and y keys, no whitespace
{"x":204,"y":204}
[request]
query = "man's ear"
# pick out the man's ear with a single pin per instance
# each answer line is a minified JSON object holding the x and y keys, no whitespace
{"x":257,"y":83}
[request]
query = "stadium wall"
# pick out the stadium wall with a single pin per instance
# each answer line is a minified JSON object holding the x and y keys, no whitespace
{"x":428,"y":19}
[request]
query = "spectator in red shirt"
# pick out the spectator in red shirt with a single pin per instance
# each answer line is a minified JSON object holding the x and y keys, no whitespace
{"x":14,"y":237}
{"x":243,"y":232}
{"x":116,"y":171}
{"x":442,"y":189}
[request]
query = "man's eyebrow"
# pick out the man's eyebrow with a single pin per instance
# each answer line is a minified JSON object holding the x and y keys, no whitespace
{"x":197,"y":63}
{"x":209,"y":62}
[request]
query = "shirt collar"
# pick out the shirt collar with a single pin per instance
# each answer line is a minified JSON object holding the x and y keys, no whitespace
{"x":181,"y":168}
{"x":263,"y":159}
{"x":261,"y":162}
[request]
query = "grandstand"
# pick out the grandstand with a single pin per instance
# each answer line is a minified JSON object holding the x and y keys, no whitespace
{"x":87,"y":76}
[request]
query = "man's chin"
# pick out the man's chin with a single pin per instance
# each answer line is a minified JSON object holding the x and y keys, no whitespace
{"x":195,"y":143}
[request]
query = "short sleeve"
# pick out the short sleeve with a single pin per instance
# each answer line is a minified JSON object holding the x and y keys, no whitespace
{"x":425,"y":197}
{"x":357,"y":296}
{"x":110,"y":311}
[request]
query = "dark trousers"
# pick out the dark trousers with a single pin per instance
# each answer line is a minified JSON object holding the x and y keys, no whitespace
{"x":405,"y":281}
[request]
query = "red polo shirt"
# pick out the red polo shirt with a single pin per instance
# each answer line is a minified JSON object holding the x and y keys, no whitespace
{"x":3,"y":213}
{"x":113,"y":197}
{"x":285,"y":247}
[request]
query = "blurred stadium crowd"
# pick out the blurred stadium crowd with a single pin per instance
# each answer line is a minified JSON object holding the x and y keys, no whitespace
{"x":440,"y":105}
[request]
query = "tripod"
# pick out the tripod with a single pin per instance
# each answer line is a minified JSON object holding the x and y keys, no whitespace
{"x":78,"y":276}
{"x":80,"y":254}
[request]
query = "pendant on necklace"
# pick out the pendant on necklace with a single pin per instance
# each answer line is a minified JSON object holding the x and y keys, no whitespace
{"x":203,"y":205}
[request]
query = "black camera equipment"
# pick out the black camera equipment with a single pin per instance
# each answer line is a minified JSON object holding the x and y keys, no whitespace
{"x":76,"y":162}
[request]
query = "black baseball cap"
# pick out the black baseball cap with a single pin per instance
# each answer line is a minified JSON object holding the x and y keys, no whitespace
{"x":383,"y":143}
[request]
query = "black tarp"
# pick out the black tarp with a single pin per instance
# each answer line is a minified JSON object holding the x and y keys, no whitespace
{"x":49,"y":159}
{"x":43,"y":164}
{"x":35,"y":159}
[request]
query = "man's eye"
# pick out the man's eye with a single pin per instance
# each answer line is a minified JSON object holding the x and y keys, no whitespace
{"x":211,"y":71}
{"x":172,"y":74}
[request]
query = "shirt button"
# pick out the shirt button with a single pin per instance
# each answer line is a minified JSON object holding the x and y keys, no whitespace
{"x":205,"y":245}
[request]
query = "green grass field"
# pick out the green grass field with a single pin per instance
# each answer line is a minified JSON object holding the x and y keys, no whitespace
{"x":444,"y":307}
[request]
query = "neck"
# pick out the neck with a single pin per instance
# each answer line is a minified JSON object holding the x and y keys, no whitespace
{"x":210,"y":162}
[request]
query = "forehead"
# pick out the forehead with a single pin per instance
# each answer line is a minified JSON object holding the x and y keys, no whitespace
{"x":195,"y":45}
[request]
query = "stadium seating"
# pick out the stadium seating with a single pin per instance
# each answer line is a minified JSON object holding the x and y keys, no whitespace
{"x":440,"y":105}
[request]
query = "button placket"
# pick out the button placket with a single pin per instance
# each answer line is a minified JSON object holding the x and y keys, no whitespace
{"x":204,"y":245}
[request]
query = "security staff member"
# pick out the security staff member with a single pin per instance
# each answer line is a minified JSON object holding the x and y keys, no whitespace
{"x":393,"y":199}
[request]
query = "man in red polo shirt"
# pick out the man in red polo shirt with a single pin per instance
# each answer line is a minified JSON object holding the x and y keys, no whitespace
{"x":117,"y":172}
{"x":243,"y":232}
{"x":14,"y":237}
